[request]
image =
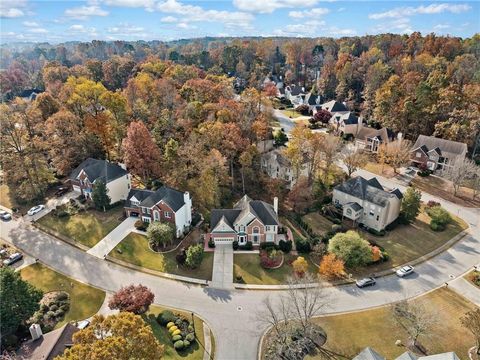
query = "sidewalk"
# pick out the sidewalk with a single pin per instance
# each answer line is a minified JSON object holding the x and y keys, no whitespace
{"x":104,"y":246}
{"x":466,"y":289}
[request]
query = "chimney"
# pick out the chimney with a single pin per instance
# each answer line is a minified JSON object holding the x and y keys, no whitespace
{"x":399,"y":136}
{"x":275,"y":205}
{"x":35,"y":331}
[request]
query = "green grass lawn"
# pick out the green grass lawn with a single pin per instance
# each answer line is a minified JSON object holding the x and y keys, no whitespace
{"x":472,"y":276}
{"x":351,"y":333}
{"x":135,"y":250}
{"x":87,"y":228}
{"x":85,"y":300}
{"x":194,"y":352}
{"x":319,"y":224}
{"x":248,"y":266}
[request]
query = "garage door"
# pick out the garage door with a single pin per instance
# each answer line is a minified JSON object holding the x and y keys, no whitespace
{"x":223,"y":240}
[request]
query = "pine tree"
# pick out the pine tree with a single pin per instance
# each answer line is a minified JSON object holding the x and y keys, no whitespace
{"x":100,"y":195}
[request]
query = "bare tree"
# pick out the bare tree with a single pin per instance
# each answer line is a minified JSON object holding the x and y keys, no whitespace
{"x":460,"y":172}
{"x":395,"y":153}
{"x":353,"y":160}
{"x":293,"y":334}
{"x":471,"y":321}
{"x":414,"y":318}
{"x":330,"y":150}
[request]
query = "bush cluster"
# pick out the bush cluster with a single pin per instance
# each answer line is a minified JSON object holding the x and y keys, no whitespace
{"x":211,"y":243}
{"x":180,"y":329}
{"x":440,"y":218}
{"x":270,"y":258}
{"x":303,"y":245}
{"x":141,"y":225}
{"x":51,"y":311}
{"x":248,"y":246}
{"x":285,"y":246}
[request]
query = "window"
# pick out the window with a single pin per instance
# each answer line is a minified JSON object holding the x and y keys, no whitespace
{"x":267,"y":228}
{"x":372,"y":213}
{"x":337,"y":202}
{"x":349,"y":211}
{"x":148,"y":211}
{"x":135,"y":202}
{"x":378,"y":217}
{"x":418,"y":154}
{"x":242,"y":228}
{"x":256,"y":230}
{"x":167,"y":214}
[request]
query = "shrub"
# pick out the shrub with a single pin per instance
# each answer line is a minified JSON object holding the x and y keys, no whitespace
{"x":211,"y":243}
{"x":336,"y":228}
{"x":53,"y":307}
{"x":194,"y":256}
{"x":50,"y":315}
{"x":178,"y":322}
{"x":140,"y":225}
{"x":176,"y":338}
{"x":302,"y":109}
{"x":439,"y":218}
{"x":270,"y":259}
{"x":248,"y":246}
{"x":186,"y":343}
{"x":178,"y":345}
{"x":190,"y":328}
{"x":65,"y":307}
{"x":376,"y":232}
{"x":173,"y":328}
{"x":235,"y":245}
{"x":62,"y":214}
{"x":303,"y":245}
{"x":435,"y":226}
{"x":170,"y":324}
{"x":166,"y":317}
{"x":285,"y":246}
{"x":190,"y":337}
{"x":432,"y":203}
{"x":181,"y":257}
{"x":59,"y":313}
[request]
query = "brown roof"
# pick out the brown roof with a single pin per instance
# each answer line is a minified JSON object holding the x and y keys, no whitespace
{"x":368,"y":132}
{"x":50,"y":345}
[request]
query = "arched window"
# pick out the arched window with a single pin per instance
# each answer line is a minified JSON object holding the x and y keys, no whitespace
{"x":256,"y":230}
{"x":156,"y":215}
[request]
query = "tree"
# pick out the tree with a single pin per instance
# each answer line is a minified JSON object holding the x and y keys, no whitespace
{"x":351,"y":248}
{"x":141,"y":154}
{"x":135,"y":299}
{"x":100,"y":194}
{"x":396,"y":153}
{"x":300,"y":266}
{"x":194,"y":256}
{"x":410,"y":207}
{"x":123,"y":337}
{"x":300,"y":197}
{"x":471,"y":321}
{"x":331,"y":267}
{"x":280,"y":137}
{"x":19,"y":302}
{"x":322,"y":116}
{"x":160,"y":233}
{"x":460,"y":172}
{"x":353,"y":160}
{"x":414,"y":318}
{"x":330,"y":151}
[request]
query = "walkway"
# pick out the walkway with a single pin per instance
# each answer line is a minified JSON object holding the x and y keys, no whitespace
{"x":108,"y":243}
{"x":222,"y":277}
{"x":466,"y":289}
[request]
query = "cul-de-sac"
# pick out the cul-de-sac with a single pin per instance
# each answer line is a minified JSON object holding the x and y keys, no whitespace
{"x":239,"y":180}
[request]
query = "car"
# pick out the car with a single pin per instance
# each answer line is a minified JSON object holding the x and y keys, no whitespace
{"x":61,"y":190}
{"x":405,"y":270}
{"x":369,"y":281}
{"x":12,"y":259}
{"x":36,"y":209}
{"x":83,"y":324}
{"x":6,"y":217}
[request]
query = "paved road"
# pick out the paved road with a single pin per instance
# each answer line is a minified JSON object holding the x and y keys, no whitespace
{"x":104,"y":246}
{"x":286,"y":123}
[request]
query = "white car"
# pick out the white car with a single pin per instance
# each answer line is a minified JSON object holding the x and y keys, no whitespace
{"x":12,"y":259}
{"x":5,"y":215}
{"x":36,"y":209}
{"x":405,"y":270}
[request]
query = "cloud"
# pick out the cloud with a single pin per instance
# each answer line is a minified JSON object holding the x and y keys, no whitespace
{"x":84,"y":12}
{"x":169,"y":19}
{"x":441,"y":26}
{"x":126,"y":29}
{"x":38,"y":30}
{"x":307,"y":28}
{"x":401,"y":25}
{"x":12,"y":8}
{"x":316,"y":12}
{"x":186,"y":26}
{"x":269,"y":6}
{"x":30,"y":24}
{"x":430,"y":9}
{"x":334,"y":31}
{"x":149,"y":5}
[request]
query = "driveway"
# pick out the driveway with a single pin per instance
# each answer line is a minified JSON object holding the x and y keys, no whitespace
{"x":108,"y":243}
{"x":466,"y":289}
{"x":286,"y":123}
{"x":222,"y":277}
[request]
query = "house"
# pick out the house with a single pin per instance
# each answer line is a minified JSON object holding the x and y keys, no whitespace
{"x":367,"y":202}
{"x":164,"y":204}
{"x":30,"y":94}
{"x":334,"y":106}
{"x":248,"y":220}
{"x":50,"y":345}
{"x":277,"y":81}
{"x":313,"y":101}
{"x":296,"y":94}
{"x":116,"y":178}
{"x":369,"y":139}
{"x":437,"y":154}
{"x":370,"y":354}
{"x":277,"y":166}
{"x":345,"y":123}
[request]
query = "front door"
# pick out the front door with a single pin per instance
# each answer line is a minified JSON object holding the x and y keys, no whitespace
{"x":242,"y":239}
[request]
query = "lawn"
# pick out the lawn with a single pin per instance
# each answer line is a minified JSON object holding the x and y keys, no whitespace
{"x":351,"y":333}
{"x":194,"y":352}
{"x":5,"y":199}
{"x":291,"y":112}
{"x":87,"y":228}
{"x":319,"y":224}
{"x":248,"y":266}
{"x":376,"y":168}
{"x":135,"y":250}
{"x":85,"y":300}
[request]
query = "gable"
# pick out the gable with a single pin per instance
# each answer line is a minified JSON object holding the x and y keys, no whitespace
{"x":222,"y":227}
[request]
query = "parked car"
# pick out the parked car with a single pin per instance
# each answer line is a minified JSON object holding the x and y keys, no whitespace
{"x":61,"y":190}
{"x":83,"y":324}
{"x":369,"y":281}
{"x":405,"y":270}
{"x":3,"y":253}
{"x":36,"y":209}
{"x":12,"y":259}
{"x":4,"y":215}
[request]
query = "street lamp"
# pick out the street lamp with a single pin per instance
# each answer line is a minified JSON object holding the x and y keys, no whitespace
{"x":193,"y":324}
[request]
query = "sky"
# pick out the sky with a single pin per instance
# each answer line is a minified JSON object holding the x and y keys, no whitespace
{"x":86,"y":20}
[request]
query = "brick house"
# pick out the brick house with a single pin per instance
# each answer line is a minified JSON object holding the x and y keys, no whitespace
{"x":116,"y":178}
{"x":249,"y":220}
{"x":165,"y":205}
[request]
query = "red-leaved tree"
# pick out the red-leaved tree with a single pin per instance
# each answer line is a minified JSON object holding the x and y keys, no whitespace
{"x":132,"y":298}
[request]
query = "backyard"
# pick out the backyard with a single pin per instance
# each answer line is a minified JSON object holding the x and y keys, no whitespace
{"x":194,"y":352}
{"x":351,"y":333}
{"x":319,"y":224}
{"x":134,"y":249}
{"x":85,"y":300}
{"x":87,"y":227}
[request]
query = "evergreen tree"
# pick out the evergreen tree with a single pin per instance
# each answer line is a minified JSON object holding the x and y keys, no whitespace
{"x":100,"y":195}
{"x":411,"y":204}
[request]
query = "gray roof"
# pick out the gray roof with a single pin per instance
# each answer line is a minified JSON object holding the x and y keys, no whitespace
{"x":368,"y":354}
{"x":443,"y":356}
{"x":445,"y":146}
{"x":148,"y":198}
{"x":334,"y":106}
{"x":260,"y":209}
{"x":278,"y":156}
{"x":95,"y":169}
{"x":369,"y":133}
{"x":347,"y":117}
{"x":369,"y":190}
{"x":407,"y":355}
{"x":313,"y":99}
{"x":295,"y":90}
{"x":354,"y":205}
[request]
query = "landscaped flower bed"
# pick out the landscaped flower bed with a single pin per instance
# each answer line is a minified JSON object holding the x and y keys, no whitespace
{"x":271,"y":259}
{"x":52,"y":310}
{"x":181,"y":330}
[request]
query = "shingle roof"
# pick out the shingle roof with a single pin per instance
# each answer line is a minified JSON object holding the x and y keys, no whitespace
{"x":445,"y":146}
{"x":443,"y":356}
{"x":295,"y":90}
{"x":354,"y":205}
{"x":369,"y":190}
{"x":313,"y":99}
{"x":95,"y":169}
{"x":407,"y":355}
{"x":347,"y":117}
{"x":334,"y":106}
{"x":369,"y":133}
{"x":148,"y":198}
{"x":368,"y":354}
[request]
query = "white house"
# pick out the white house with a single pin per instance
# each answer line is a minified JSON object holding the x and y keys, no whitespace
{"x":277,"y":166}
{"x":115,"y":176}
{"x":367,"y":202}
{"x":296,"y":94}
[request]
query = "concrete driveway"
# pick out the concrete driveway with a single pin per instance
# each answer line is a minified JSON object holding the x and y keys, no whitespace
{"x":222,"y":277}
{"x":108,"y":243}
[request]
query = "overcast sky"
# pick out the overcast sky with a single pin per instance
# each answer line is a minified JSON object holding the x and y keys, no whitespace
{"x":59,"y":21}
